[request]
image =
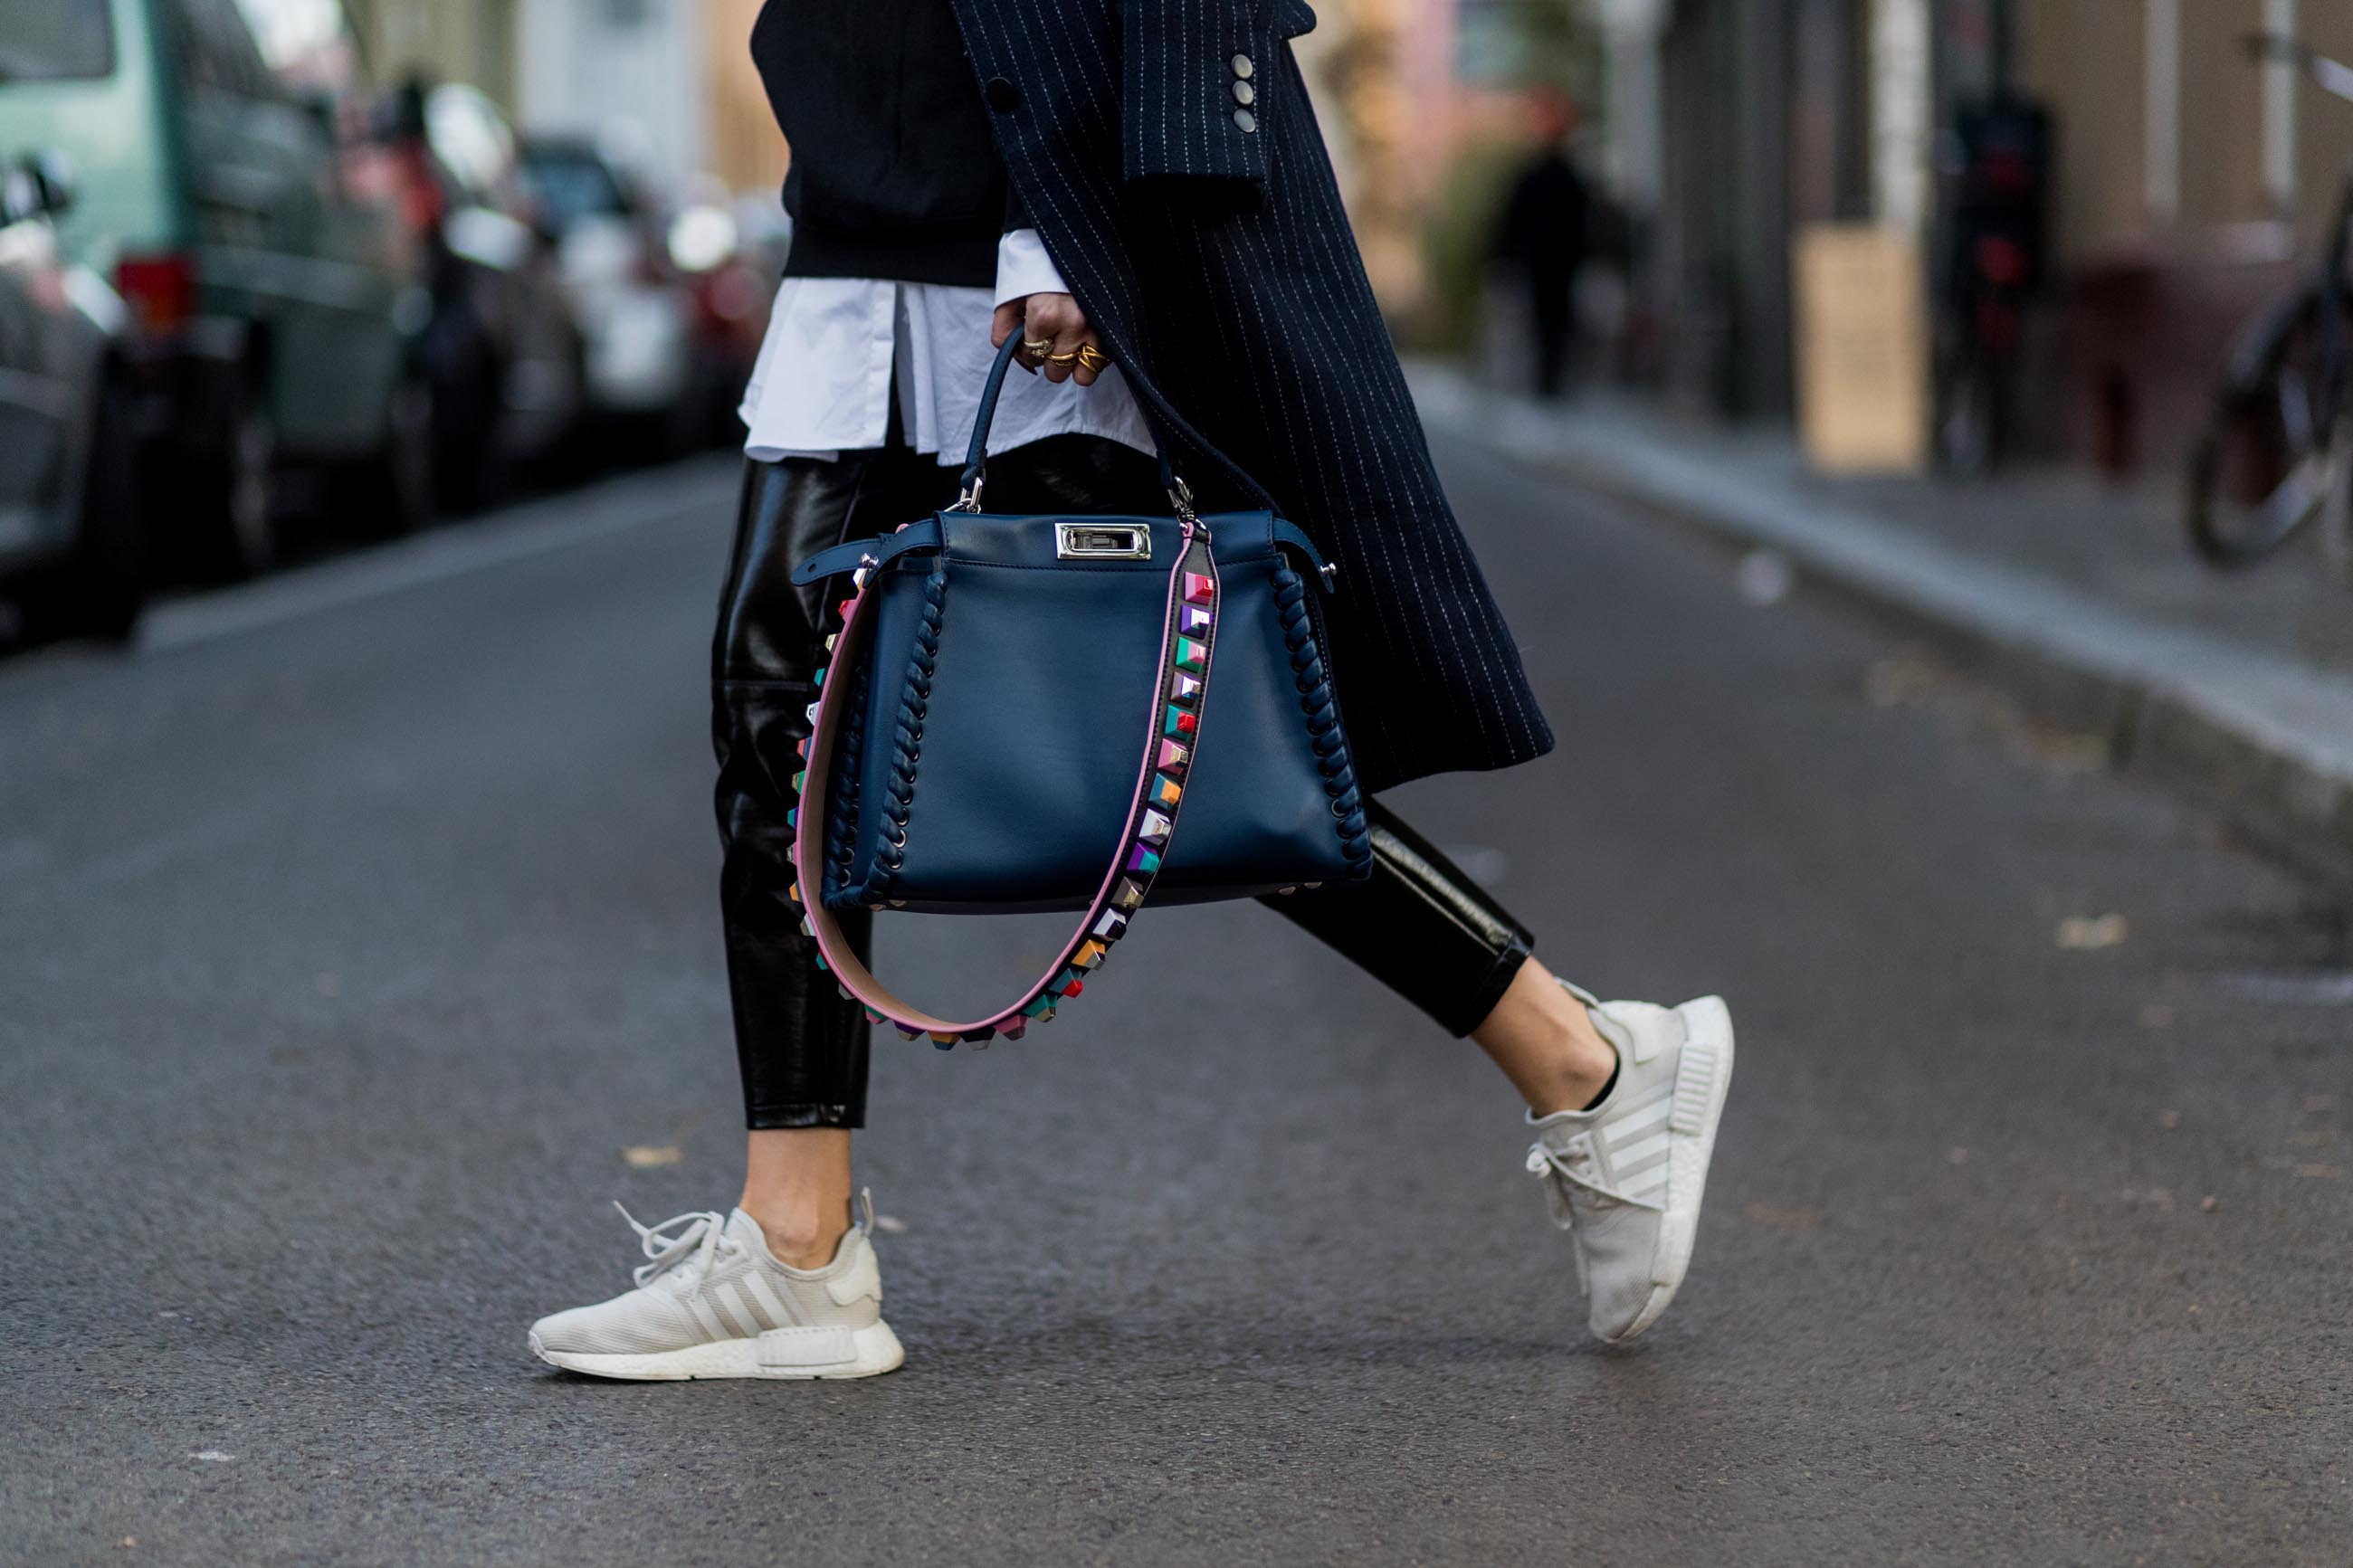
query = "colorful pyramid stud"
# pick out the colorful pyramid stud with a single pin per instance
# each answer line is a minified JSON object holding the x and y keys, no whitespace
{"x":1191,"y":652}
{"x":979,"y":1038}
{"x":800,"y":781}
{"x":1173,"y":757}
{"x":1040,"y":1006}
{"x":843,"y":609}
{"x":1165,"y":791}
{"x":874,"y":1017}
{"x":1145,"y":859}
{"x":946,"y":1042}
{"x":1198,"y":588}
{"x":818,"y":679}
{"x":793,"y":891}
{"x":821,"y":963}
{"x":1015,"y":1031}
{"x":907,"y":1034}
{"x":831,"y":638}
{"x":1180,"y":723}
{"x":1155,"y":828}
{"x":1090,"y":956}
{"x":1112,"y":927}
{"x":1070,"y":983}
{"x":793,"y":817}
{"x":1194,"y":621}
{"x":801,"y":746}
{"x":810,"y":712}
{"x":1188,"y":689}
{"x":1127,"y":896}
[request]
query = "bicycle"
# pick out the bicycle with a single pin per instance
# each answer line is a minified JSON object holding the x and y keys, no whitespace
{"x":2278,"y":447}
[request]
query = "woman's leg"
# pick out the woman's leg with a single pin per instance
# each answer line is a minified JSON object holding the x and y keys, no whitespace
{"x":1443,"y":943}
{"x":1623,"y":1097}
{"x":796,"y":1184}
{"x":803,"y":1049}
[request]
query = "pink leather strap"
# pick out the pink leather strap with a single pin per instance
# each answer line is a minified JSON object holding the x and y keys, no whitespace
{"x":1187,"y":639}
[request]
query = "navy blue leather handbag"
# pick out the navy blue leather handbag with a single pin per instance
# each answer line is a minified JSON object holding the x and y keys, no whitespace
{"x":1019,"y":711}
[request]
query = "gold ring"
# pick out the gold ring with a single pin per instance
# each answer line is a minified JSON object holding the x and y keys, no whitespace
{"x":1091,"y":358}
{"x":1035,"y":347}
{"x":1070,"y":358}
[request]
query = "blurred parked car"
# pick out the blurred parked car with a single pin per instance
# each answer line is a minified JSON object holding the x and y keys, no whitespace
{"x":635,"y":309}
{"x":70,"y":533}
{"x":732,"y":254}
{"x":274,"y":301}
{"x":502,"y":350}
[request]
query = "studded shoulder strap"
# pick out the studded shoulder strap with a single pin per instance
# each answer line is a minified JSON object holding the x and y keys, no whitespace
{"x":1187,"y":640}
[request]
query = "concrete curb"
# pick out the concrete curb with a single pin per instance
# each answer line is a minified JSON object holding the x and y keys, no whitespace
{"x":2268,"y":739}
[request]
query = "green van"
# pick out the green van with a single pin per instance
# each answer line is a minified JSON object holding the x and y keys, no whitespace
{"x":229,"y":193}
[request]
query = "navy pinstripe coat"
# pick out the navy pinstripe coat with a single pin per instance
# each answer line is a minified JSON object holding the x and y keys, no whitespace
{"x":1211,"y":253}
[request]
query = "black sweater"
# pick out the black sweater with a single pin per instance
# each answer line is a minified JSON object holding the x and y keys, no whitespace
{"x":893,"y":172}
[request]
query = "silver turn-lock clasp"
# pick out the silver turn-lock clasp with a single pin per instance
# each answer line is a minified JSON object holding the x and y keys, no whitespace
{"x":1102,"y":542}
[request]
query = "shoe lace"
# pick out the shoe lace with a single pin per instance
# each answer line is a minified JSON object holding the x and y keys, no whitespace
{"x":1559,"y":1172}
{"x":1562,"y":1173}
{"x":689,"y":1250}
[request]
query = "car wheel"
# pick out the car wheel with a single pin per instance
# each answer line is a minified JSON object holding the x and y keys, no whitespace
{"x":104,"y":583}
{"x":236,"y":494}
{"x":463,"y":377}
{"x":393,"y":493}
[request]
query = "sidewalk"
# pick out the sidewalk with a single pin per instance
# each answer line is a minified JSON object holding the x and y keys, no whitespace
{"x":2083,"y":597}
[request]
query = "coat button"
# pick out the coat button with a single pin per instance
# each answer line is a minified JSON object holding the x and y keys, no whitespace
{"x":1245,"y":93}
{"x":1002,"y":95}
{"x":1245,"y":119}
{"x":1243,"y":66}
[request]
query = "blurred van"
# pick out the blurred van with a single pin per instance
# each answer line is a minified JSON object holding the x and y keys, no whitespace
{"x":230,"y":193}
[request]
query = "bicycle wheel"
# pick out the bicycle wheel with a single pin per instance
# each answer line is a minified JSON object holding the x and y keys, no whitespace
{"x":2263,"y":467}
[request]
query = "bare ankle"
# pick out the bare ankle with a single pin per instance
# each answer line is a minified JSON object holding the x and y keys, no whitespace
{"x":796,"y":1184}
{"x":1547,"y":1045}
{"x":1587,"y":1071}
{"x":798,"y":1236}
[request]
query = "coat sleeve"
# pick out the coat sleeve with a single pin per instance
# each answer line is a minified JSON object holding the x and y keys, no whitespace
{"x":1197,"y":82}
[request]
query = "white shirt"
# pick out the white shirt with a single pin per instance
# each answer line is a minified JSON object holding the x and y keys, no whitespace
{"x":839,"y":349}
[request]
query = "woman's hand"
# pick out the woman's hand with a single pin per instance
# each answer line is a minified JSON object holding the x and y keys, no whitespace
{"x":1056,"y":320}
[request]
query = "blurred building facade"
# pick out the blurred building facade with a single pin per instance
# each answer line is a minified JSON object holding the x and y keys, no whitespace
{"x":668,"y":84}
{"x":2185,"y":179}
{"x":471,"y":41}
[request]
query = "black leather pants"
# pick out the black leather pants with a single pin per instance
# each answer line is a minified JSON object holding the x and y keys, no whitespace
{"x":1419,"y":926}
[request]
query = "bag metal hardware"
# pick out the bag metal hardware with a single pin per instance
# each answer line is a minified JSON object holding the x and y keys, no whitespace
{"x":1094,"y":542}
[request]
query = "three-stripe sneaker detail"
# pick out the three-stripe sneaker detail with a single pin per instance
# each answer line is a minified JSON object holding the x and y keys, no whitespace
{"x":1626,"y":1178}
{"x":712,"y":1301}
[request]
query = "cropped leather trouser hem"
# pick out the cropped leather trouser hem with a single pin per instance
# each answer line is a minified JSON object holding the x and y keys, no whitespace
{"x":1419,"y":925}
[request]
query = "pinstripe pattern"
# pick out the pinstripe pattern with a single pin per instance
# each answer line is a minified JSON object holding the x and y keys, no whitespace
{"x":1249,"y":263}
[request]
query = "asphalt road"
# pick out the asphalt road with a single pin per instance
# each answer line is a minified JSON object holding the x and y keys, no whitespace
{"x":352,"y":930}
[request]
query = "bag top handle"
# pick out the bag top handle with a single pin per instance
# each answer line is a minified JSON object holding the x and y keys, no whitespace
{"x":976,"y":456}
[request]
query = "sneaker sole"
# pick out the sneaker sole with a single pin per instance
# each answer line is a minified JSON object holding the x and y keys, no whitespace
{"x":790,"y":1354}
{"x":1702,"y":1077}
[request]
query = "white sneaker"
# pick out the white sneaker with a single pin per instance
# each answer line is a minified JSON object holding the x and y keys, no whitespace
{"x":713,"y":1303}
{"x":1626,"y":1177}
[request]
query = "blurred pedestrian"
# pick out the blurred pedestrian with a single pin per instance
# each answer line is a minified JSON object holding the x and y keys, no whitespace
{"x":1543,"y":234}
{"x":1140,"y":192}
